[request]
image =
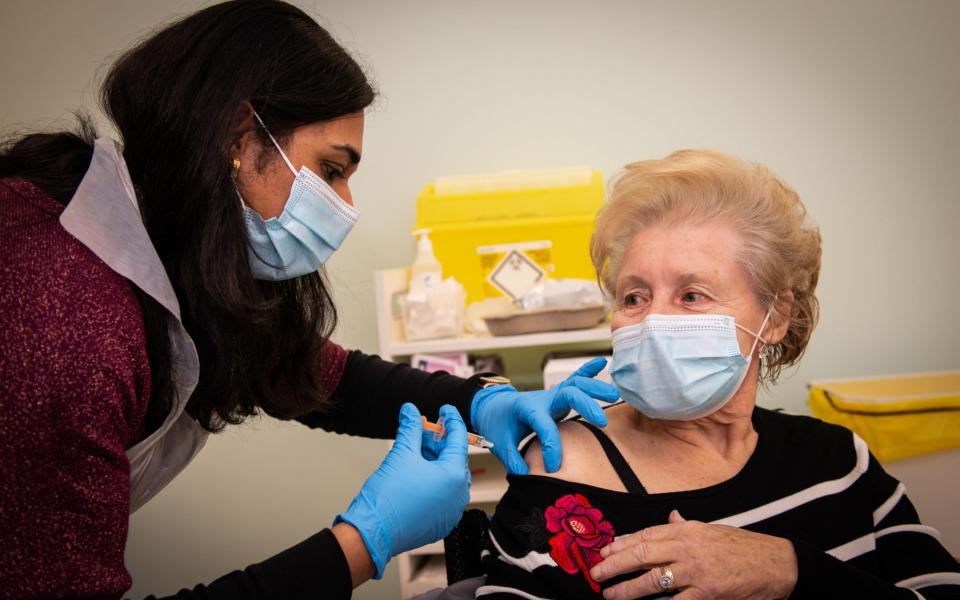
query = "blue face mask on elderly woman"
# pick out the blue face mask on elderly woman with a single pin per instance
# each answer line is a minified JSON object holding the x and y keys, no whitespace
{"x":313,"y":224}
{"x":681,"y":367}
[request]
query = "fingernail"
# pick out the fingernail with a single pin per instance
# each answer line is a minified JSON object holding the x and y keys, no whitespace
{"x":608,"y":594}
{"x":596,"y":573}
{"x":604,"y":552}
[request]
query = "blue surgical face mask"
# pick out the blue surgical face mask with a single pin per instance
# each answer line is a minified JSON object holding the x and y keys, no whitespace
{"x":680,"y":367}
{"x":313,"y":224}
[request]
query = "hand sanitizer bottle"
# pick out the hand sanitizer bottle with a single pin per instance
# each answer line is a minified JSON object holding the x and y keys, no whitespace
{"x":425,"y":272}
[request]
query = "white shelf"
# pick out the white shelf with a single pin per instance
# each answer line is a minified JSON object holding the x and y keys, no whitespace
{"x":489,"y":485}
{"x":473,"y":343}
{"x":434,"y":548}
{"x":430,"y":574}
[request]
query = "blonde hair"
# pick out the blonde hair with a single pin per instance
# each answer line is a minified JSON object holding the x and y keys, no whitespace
{"x":781,"y":247}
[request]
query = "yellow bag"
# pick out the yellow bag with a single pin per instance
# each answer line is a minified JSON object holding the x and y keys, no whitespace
{"x":899,"y":416}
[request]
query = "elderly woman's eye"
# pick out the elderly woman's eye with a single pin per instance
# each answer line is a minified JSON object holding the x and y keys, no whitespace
{"x":632,"y":300}
{"x":692,"y":296}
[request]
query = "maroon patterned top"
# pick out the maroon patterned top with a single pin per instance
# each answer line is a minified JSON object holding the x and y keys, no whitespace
{"x":74,"y":375}
{"x":74,"y":387}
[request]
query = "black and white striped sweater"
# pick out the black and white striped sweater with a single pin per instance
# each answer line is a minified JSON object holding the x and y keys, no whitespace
{"x":855,"y":532}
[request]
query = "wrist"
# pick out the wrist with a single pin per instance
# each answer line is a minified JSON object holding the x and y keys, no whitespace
{"x":362,"y":517}
{"x":788,"y":567}
{"x":355,"y":551}
{"x":493,"y":381}
{"x":489,"y":386}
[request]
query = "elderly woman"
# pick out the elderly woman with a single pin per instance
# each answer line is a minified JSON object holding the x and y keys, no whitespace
{"x":692,"y":488}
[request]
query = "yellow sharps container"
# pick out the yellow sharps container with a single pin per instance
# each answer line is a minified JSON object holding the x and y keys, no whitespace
{"x":513,"y":226}
{"x":898,"y":416}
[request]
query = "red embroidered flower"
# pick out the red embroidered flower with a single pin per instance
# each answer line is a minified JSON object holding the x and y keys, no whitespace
{"x":580,"y":533}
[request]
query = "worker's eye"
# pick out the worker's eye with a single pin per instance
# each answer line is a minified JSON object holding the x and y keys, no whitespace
{"x":332,"y":172}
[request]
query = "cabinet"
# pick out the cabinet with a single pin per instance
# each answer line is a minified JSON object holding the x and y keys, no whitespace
{"x":423,"y":569}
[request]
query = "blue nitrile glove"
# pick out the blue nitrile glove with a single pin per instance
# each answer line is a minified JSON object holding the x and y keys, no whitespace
{"x":411,"y":501}
{"x":505,"y":416}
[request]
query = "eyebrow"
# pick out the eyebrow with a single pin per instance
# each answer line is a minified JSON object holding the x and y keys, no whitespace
{"x":350,"y":151}
{"x":683,"y":280}
{"x":688,"y":278}
{"x":634,"y":281}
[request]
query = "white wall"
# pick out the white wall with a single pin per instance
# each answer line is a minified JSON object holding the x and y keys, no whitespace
{"x":854,"y":103}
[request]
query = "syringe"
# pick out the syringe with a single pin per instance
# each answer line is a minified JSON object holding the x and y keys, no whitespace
{"x":438,"y":431}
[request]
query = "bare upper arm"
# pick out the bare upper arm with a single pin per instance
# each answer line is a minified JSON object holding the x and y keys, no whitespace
{"x":584,"y":460}
{"x":580,"y":457}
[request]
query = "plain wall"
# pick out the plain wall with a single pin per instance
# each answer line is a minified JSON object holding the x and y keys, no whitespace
{"x":854,"y":103}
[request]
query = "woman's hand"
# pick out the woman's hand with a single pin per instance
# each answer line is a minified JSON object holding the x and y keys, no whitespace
{"x":505,"y":416}
{"x":411,"y":500}
{"x":707,"y":561}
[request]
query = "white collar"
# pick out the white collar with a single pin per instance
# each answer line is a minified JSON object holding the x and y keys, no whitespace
{"x":104,"y":216}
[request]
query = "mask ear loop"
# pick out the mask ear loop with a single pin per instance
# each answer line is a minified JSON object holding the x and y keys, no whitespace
{"x":758,"y":336}
{"x":767,"y":349}
{"x":272,"y":139}
{"x":760,"y":333}
{"x":760,"y":340}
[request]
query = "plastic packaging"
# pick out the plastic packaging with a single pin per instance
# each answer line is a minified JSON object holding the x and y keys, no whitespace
{"x":550,"y":305}
{"x":433,"y":312}
{"x":561,"y":293}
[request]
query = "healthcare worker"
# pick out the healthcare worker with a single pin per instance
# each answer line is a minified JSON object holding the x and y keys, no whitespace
{"x":159,"y":289}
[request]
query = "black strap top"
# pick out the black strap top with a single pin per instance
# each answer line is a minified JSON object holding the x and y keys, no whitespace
{"x":630,"y":480}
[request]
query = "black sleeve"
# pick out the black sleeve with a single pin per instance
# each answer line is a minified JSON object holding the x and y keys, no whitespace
{"x":908,"y":554}
{"x":314,"y":568}
{"x":820,"y":575}
{"x":371,"y":390}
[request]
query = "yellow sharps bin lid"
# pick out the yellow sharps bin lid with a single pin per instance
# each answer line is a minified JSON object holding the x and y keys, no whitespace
{"x":921,"y":391}
{"x":510,"y":195}
{"x":899,"y":416}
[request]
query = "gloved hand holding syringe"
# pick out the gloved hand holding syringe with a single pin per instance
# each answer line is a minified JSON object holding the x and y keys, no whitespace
{"x":438,"y":431}
{"x":391,"y":513}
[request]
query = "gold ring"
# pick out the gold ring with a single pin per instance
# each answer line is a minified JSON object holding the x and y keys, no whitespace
{"x":666,"y":578}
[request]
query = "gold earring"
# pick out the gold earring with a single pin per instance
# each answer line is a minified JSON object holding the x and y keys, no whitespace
{"x":236,"y":166}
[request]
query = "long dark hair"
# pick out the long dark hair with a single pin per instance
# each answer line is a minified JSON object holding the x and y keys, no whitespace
{"x":174,"y":99}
